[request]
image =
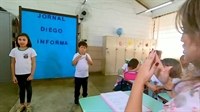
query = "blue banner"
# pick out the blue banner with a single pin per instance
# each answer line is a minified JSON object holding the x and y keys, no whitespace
{"x":54,"y":39}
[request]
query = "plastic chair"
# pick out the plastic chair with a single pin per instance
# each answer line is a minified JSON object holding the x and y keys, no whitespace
{"x":127,"y":60}
{"x":119,"y":71}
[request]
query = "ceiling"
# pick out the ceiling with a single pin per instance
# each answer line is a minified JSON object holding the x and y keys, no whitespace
{"x":161,"y":11}
{"x":151,"y":3}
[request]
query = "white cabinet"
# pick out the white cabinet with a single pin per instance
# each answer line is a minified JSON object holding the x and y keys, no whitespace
{"x":120,"y":53}
{"x":117,"y":49}
{"x":138,"y":46}
{"x":129,"y":48}
{"x":109,"y":55}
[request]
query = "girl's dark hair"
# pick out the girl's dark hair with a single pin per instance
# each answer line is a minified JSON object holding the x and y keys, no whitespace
{"x":82,"y":43}
{"x":176,"y":70}
{"x":133,"y":63}
{"x":29,"y":44}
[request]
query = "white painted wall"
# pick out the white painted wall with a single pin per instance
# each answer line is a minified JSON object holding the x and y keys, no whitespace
{"x":107,"y":16}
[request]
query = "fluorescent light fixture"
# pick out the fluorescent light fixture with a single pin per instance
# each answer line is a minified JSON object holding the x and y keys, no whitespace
{"x":157,"y":7}
{"x":84,"y":2}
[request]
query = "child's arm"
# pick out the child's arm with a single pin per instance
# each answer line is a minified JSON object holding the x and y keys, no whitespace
{"x":123,"y":68}
{"x":123,"y":71}
{"x":88,"y":58}
{"x":151,"y":86}
{"x":13,"y":70}
{"x":12,"y":55}
{"x":154,"y":88}
{"x":75,"y":59}
{"x":33,"y":65}
{"x":13,"y":67}
{"x":172,"y":93}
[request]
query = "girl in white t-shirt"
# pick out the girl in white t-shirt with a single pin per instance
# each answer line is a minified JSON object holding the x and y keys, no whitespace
{"x":23,"y":66}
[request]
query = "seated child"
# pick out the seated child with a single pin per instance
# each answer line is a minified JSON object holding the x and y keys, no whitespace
{"x":132,"y":66}
{"x":175,"y":75}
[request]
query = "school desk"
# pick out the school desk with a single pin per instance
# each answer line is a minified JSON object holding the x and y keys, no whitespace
{"x":164,"y":96}
{"x":97,"y":104}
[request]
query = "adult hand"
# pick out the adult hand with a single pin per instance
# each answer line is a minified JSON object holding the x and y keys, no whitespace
{"x":147,"y":69}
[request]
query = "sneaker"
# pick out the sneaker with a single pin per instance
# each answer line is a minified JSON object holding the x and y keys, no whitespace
{"x":28,"y":109}
{"x":20,"y":109}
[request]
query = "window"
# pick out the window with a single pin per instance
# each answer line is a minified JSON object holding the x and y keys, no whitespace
{"x":168,"y":38}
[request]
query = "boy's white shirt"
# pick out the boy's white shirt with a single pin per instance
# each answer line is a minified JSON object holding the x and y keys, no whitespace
{"x":22,"y":64}
{"x":125,"y":67}
{"x":82,"y":66}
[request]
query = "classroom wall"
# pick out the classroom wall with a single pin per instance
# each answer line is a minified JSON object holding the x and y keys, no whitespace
{"x":107,"y":16}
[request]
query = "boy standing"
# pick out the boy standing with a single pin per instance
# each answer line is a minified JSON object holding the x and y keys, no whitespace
{"x":81,"y":60}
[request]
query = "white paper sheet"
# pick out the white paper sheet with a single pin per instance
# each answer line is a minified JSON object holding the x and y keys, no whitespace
{"x":118,"y":100}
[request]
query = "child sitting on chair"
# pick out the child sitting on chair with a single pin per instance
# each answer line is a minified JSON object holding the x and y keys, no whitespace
{"x":132,"y":66}
{"x":174,"y":75}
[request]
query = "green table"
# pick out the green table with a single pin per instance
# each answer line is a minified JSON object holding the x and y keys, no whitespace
{"x":97,"y":104}
{"x":164,"y":96}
